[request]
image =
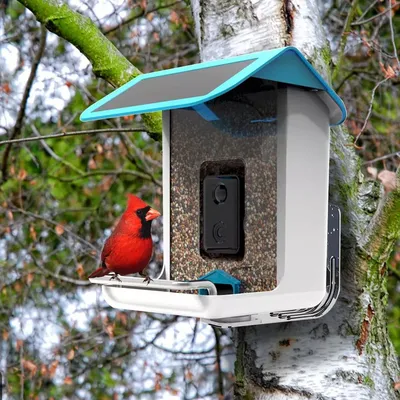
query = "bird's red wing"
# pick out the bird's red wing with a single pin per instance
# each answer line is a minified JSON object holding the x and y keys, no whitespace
{"x":107,"y":250}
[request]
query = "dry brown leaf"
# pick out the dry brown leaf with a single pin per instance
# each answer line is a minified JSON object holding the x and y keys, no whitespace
{"x":19,"y":344}
{"x":22,"y":174}
{"x":29,"y":278}
{"x":373,"y":172}
{"x":110,"y":330}
{"x":53,"y":368}
{"x":43,"y":370}
{"x":52,"y":285}
{"x":106,"y":183}
{"x":121,"y":316}
{"x":59,"y":229}
{"x":92,"y":164}
{"x":6,"y":88}
{"x":99,"y":148}
{"x":388,"y":179}
{"x":174,"y":17}
{"x":388,"y":71}
{"x":32,"y":233}
{"x":87,"y":192}
{"x":189,"y":375}
{"x":18,"y":287}
{"x":68,"y":381}
{"x":30,"y":366}
{"x":5,"y":335}
{"x":150,"y":16}
{"x":10,"y":215}
{"x":71,"y":354}
{"x":80,"y":270}
{"x":109,"y":155}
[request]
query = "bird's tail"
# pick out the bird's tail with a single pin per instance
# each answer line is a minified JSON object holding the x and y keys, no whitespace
{"x":101,"y":271}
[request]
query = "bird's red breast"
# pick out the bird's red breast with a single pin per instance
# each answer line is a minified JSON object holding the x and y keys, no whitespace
{"x":129,"y":248}
{"x":126,"y":254}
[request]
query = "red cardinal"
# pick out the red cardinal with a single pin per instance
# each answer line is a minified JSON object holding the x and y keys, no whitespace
{"x":128,"y":250}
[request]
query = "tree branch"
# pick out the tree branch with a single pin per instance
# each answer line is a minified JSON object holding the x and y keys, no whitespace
{"x":350,"y":16}
{"x":76,"y":133}
{"x":394,"y":272}
{"x":364,"y":21}
{"x":136,"y":174}
{"x":107,"y":61}
{"x":220,"y":377}
{"x":54,"y":223}
{"x":45,"y":271}
{"x":142,"y":13}
{"x":22,"y":109}
{"x":371,"y":104}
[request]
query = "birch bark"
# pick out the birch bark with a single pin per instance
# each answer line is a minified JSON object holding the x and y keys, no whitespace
{"x":346,"y":354}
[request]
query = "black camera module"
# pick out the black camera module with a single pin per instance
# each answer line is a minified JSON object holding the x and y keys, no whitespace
{"x":221,"y":214}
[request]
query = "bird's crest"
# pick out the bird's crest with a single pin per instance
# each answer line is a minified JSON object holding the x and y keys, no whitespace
{"x":135,"y":203}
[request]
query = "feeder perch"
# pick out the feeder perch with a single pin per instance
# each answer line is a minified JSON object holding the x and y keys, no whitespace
{"x":249,"y":235}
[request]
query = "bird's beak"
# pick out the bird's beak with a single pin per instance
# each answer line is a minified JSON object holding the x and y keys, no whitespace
{"x":152,"y":214}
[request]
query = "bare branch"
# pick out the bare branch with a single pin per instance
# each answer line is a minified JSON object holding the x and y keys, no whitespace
{"x":107,"y":61}
{"x":22,"y":109}
{"x":392,"y":34}
{"x":55,"y":223}
{"x":53,"y":154}
{"x":45,"y":271}
{"x":142,"y":13}
{"x":136,"y":174}
{"x":385,"y":157}
{"x":376,"y":16}
{"x":218,"y":360}
{"x":394,"y":272}
{"x":343,"y":40}
{"x":370,"y":108}
{"x":76,"y":133}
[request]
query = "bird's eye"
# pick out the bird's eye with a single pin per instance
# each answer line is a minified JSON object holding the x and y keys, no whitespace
{"x":141,"y":213}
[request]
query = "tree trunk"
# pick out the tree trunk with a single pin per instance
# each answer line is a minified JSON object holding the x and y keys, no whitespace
{"x":347,"y":354}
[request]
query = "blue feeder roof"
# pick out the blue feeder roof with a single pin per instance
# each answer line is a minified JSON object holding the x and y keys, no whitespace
{"x":194,"y":85}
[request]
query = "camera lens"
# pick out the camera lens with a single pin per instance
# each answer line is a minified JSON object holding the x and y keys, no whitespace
{"x":220,"y":193}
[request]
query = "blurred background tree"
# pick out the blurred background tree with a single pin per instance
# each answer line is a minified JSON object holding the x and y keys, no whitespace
{"x":61,"y":197}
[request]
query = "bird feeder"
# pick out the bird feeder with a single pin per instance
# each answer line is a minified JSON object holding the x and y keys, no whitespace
{"x":248,"y":232}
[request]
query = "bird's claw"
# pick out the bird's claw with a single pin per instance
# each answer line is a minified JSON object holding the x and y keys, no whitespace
{"x":116,"y":277}
{"x":148,"y":280}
